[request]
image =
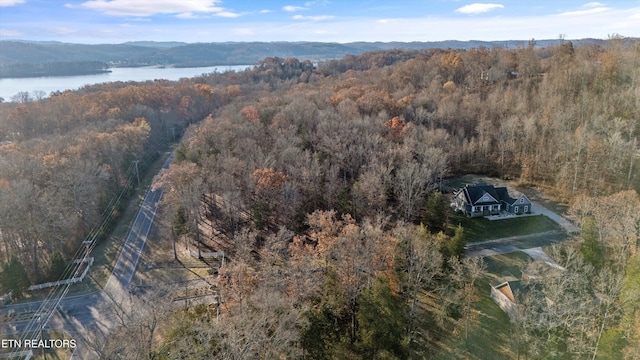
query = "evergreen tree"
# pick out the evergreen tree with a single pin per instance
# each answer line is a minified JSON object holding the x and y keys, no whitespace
{"x":590,"y":247}
{"x":435,"y":215}
{"x":180,"y":226}
{"x":327,"y":321}
{"x":381,"y":319}
{"x":14,"y":278}
{"x":57,"y":267}
{"x":181,"y":153}
{"x":455,"y":246}
{"x":343,"y":205}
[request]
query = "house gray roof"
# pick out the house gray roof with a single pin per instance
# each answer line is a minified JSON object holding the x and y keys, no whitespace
{"x":474,"y":194}
{"x":504,"y":195}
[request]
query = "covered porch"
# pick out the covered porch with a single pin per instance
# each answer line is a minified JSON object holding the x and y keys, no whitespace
{"x":485,"y":210}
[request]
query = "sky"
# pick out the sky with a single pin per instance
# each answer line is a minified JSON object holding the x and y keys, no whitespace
{"x":118,"y":21}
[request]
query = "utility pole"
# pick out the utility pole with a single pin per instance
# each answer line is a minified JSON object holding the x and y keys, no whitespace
{"x":173,"y":132}
{"x":135,"y":162}
{"x":173,"y":238}
{"x":41,"y":336}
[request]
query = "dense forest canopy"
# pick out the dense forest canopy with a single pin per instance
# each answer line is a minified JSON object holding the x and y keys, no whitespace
{"x":315,"y":180}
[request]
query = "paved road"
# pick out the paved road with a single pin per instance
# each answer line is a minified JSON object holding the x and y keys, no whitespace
{"x":132,"y":249}
{"x":91,"y":314}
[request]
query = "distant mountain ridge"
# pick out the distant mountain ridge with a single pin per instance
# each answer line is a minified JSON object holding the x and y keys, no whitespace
{"x":156,"y":44}
{"x":179,"y":54}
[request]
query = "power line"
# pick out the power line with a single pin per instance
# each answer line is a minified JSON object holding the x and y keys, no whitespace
{"x":52,"y":301}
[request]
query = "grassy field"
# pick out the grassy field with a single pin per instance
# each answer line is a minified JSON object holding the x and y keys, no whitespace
{"x":625,"y":336}
{"x":489,"y":336}
{"x":480,"y":229}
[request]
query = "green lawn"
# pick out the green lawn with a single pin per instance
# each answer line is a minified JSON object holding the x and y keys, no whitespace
{"x":489,"y":335}
{"x":481,"y":229}
{"x":623,"y":336}
{"x":506,"y":264}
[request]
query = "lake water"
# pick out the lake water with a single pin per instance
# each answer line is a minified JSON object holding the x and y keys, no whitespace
{"x":12,"y":86}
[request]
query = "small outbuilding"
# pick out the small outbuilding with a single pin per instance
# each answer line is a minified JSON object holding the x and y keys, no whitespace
{"x":504,"y":295}
{"x":508,"y":292}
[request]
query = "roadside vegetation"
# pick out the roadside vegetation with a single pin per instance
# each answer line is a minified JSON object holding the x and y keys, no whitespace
{"x":322,"y":187}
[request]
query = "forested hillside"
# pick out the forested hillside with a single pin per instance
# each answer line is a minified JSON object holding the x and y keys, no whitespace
{"x":312,"y":181}
{"x":63,"y":159}
{"x":321,"y":186}
{"x":27,"y":58}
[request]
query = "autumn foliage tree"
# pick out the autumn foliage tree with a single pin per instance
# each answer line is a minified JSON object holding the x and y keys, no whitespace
{"x":347,"y":155}
{"x":318,"y":176}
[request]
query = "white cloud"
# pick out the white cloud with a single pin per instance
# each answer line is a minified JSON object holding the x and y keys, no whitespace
{"x":313,"y":18}
{"x":318,"y":2}
{"x":478,"y":8}
{"x":227,"y":14}
{"x":291,"y":8}
{"x":149,"y":8}
{"x":596,"y":23}
{"x":595,"y":10}
{"x":188,"y":15}
{"x":224,"y":14}
{"x":265,"y":11}
{"x":4,"y":3}
{"x":593,"y":4}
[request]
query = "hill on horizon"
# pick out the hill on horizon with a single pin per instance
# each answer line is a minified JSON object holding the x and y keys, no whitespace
{"x":23,"y":54}
{"x":173,"y":52}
